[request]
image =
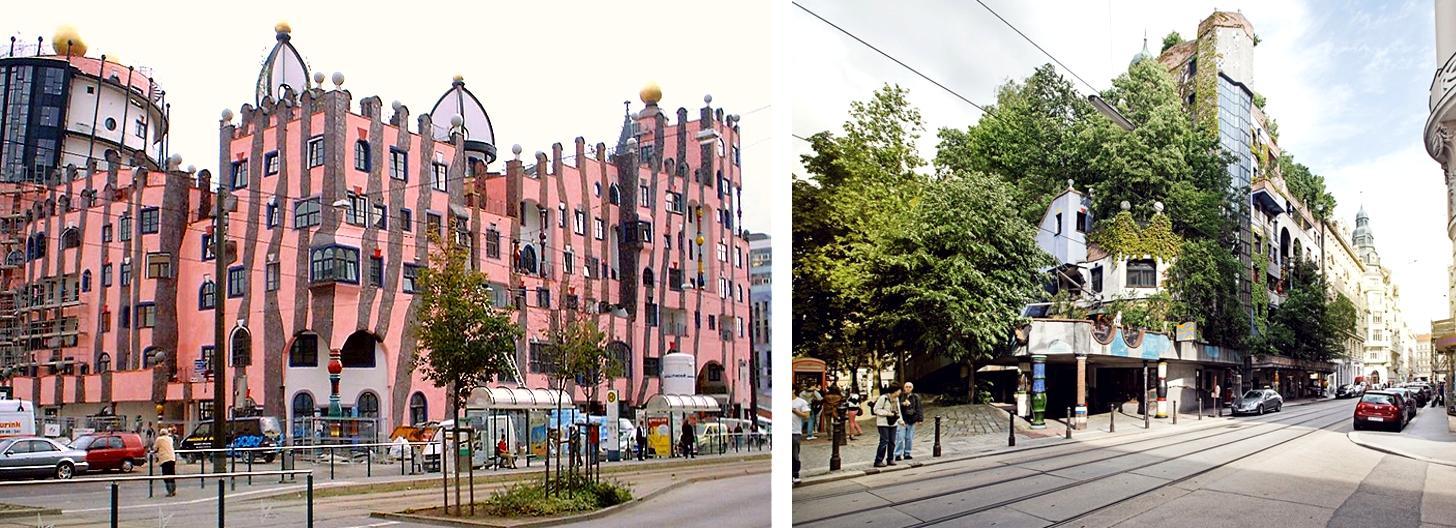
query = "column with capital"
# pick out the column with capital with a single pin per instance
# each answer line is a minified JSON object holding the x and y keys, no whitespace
{"x":336,"y":367}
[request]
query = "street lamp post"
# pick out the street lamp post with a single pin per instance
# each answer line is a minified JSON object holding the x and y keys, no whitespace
{"x":219,"y":238}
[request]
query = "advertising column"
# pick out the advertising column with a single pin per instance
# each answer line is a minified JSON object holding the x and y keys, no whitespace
{"x":1162,"y":389}
{"x":614,"y":442}
{"x":1038,"y":392}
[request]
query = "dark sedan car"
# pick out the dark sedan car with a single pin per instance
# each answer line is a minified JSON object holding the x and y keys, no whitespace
{"x":1259,"y":401}
{"x":1410,"y":400}
{"x":1350,"y":390}
{"x":1418,"y":392}
{"x":32,"y":456}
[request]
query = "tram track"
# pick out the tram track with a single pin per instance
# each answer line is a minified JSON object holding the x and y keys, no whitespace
{"x":1313,"y":416}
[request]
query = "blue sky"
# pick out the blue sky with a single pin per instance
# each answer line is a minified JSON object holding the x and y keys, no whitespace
{"x":1347,"y":81}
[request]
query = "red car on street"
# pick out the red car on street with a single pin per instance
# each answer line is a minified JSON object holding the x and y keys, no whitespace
{"x":119,"y":451}
{"x":1381,"y":408}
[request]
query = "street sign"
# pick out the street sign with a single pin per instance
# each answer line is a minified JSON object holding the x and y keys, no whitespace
{"x":613,"y":429}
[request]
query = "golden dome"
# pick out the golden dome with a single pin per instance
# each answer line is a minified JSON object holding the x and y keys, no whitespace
{"x":651,"y":94}
{"x":66,"y":33}
{"x":459,"y":78}
{"x":282,"y":27}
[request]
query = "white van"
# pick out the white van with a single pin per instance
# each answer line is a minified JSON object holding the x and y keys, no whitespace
{"x":17,"y":418}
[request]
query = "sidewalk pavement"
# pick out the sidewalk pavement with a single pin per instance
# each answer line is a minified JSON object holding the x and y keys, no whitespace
{"x":1430,"y":438}
{"x":971,"y":430}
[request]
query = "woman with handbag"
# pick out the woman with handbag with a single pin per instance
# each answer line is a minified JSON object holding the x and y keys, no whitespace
{"x":852,"y":424}
{"x":887,"y":414}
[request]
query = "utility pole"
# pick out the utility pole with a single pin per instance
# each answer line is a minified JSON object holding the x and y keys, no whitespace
{"x":219,"y":245}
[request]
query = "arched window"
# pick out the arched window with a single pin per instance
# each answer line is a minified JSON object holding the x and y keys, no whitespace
{"x":597,"y":189}
{"x":361,"y":156}
{"x":304,"y":352}
{"x":622,"y":355}
{"x":103,"y":362}
{"x":242,"y":347}
{"x":528,"y":258}
{"x":303,"y":405}
{"x":614,"y":194}
{"x":86,"y":281}
{"x":35,"y":247}
{"x":648,"y":279}
{"x":207,"y":296}
{"x":715,"y":372}
{"x":418,"y":409}
{"x":15,"y":258}
{"x":358,"y":351}
{"x":367,"y":406}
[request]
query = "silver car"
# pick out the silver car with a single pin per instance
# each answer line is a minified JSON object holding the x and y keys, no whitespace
{"x":1259,"y":401}
{"x":31,"y":456}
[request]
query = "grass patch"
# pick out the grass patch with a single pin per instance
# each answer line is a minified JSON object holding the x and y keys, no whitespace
{"x":532,"y":500}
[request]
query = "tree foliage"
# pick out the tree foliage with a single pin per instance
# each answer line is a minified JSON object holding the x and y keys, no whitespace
{"x":469,"y":340}
{"x":1202,"y":290}
{"x":1307,"y":186}
{"x":1172,"y":39}
{"x":578,"y":352}
{"x":1310,"y":323}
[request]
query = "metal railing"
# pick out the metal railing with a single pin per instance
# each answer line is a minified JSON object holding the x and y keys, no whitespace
{"x":115,"y":487}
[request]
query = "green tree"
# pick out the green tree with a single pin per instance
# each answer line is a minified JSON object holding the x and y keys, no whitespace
{"x":577,"y":353}
{"x":1172,"y":39}
{"x":955,"y":271}
{"x":1307,"y":187}
{"x":1200,"y":283}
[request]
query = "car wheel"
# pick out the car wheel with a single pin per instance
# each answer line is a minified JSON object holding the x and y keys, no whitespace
{"x":64,"y":471}
{"x":127,"y":466}
{"x":1260,"y":409}
{"x":268,"y":459}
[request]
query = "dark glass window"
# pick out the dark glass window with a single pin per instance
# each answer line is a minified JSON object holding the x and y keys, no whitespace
{"x":242,"y":348}
{"x":304,"y":352}
{"x":306,"y":213}
{"x":207,"y":296}
{"x":361,"y":155}
{"x":492,"y":243}
{"x":237,"y":281}
{"x":270,"y":276}
{"x":410,"y":274}
{"x":334,"y":264}
{"x":376,"y":271}
{"x":398,"y":164}
{"x":316,"y":151}
{"x":1142,"y":273}
{"x":438,"y":178}
{"x":240,"y":174}
{"x":151,"y":219}
{"x":270,"y":164}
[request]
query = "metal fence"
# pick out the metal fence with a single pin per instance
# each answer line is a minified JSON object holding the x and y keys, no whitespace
{"x":115,"y":506}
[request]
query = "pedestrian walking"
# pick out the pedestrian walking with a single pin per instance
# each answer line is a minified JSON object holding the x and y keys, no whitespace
{"x":167,"y":458}
{"x":887,"y":414}
{"x":689,"y":439}
{"x":1216,"y":401}
{"x":854,"y":402}
{"x":800,"y":410}
{"x":911,"y":413}
{"x":830,"y":409}
{"x":816,"y":400}
{"x":737,"y":437}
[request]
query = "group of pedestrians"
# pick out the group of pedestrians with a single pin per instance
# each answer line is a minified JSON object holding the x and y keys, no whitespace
{"x":896,"y":411}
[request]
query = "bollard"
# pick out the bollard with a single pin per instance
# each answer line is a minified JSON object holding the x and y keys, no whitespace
{"x":115,"y":509}
{"x":1112,"y":418}
{"x":1069,"y":423}
{"x":1147,"y":421}
{"x":936,"y":451}
{"x":151,"y":472}
{"x":221,"y":496}
{"x":837,"y":438}
{"x":250,"y":469}
{"x":1175,"y":412}
{"x":310,"y":500}
{"x":1011,"y":431}
{"x":331,"y":461}
{"x":1200,"y":407}
{"x":233,"y":481}
{"x":368,"y":461}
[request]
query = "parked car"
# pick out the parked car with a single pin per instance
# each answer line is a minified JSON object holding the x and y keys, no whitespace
{"x":108,"y":451}
{"x":1424,"y":388}
{"x":1379,"y":408}
{"x":1422,"y":397}
{"x":249,"y":431}
{"x":1410,"y":400}
{"x":1259,"y":401}
{"x":1350,"y":390}
{"x":33,"y":456}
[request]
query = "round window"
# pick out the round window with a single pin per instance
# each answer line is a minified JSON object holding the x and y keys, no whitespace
{"x":110,"y":124}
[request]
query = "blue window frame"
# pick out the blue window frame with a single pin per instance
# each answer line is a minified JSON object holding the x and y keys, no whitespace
{"x":376,"y":271}
{"x":407,"y":219}
{"x":151,"y":220}
{"x":207,"y":295}
{"x":125,"y":274}
{"x":207,"y":253}
{"x":270,"y":218}
{"x":240,"y":174}
{"x":86,"y":281}
{"x":334,"y":264}
{"x":237,"y":281}
{"x":270,"y":163}
{"x":361,"y":156}
{"x":105,"y":275}
{"x":315,"y":151}
{"x":398,"y":164}
{"x":410,"y":274}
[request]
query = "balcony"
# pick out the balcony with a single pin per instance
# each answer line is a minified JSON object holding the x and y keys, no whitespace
{"x":1443,"y":108}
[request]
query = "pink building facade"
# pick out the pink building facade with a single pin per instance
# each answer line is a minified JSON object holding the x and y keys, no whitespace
{"x":329,"y":205}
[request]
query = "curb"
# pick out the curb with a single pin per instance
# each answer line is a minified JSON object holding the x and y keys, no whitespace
{"x":11,"y":514}
{"x":825,"y":478}
{"x":554,"y":521}
{"x":1390,"y":450}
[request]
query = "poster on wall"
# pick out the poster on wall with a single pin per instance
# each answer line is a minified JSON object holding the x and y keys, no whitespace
{"x":659,"y":438}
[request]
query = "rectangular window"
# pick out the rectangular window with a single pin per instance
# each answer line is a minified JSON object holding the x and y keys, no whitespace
{"x":433,"y":223}
{"x":106,"y":233}
{"x":106,"y":275}
{"x":492,"y":243}
{"x":334,"y":264}
{"x":146,"y":315}
{"x":407,"y":220}
{"x":1059,"y":225}
{"x":674,"y":279}
{"x":271,"y":276}
{"x":1097,"y":279}
{"x":140,"y":128}
{"x":568,"y":263}
{"x":561,"y":215}
{"x":125,"y":317}
{"x":644,"y":195}
{"x":270,"y":163}
{"x":207,"y":253}
{"x":675,"y":202}
{"x":376,"y":271}
{"x":271,"y":215}
{"x":398,"y":164}
{"x":304,"y":352}
{"x":438,"y":176}
{"x":237,"y":281}
{"x":589,"y":269}
{"x":381,"y":217}
{"x":651,"y":314}
{"x":540,"y":359}
{"x":125,"y":228}
{"x":240,"y":174}
{"x":410,"y":273}
{"x":306,"y":213}
{"x":358,"y":210}
{"x":651,"y":366}
{"x":1142,"y":273}
{"x":159,"y":266}
{"x":1082,"y":226}
{"x":316,"y":151}
{"x":543,"y":297}
{"x":580,"y":222}
{"x":151,"y":219}
{"x":599,"y":228}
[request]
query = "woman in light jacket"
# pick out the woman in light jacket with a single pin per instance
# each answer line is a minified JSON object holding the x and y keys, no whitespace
{"x":887,"y":415}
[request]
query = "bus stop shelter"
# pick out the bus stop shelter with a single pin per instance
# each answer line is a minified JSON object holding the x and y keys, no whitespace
{"x":661,"y":412}
{"x":510,"y":409}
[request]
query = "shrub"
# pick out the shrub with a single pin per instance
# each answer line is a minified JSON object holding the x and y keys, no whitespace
{"x":576,"y":495}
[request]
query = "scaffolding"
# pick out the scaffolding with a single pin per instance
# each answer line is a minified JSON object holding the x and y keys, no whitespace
{"x":30,"y":321}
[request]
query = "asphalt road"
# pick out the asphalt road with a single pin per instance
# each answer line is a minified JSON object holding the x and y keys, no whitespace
{"x":738,"y":502}
{"x":1291,"y":469}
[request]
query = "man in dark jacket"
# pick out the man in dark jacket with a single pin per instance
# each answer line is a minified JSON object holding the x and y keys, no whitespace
{"x":911,"y":413}
{"x":689,"y":439}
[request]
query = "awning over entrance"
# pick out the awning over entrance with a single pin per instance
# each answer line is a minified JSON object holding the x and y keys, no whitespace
{"x":517,"y":398}
{"x":682,"y":403}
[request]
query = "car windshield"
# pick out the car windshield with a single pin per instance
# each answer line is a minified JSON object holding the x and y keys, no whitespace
{"x":1253,"y":395}
{"x":1378,"y":399}
{"x":83,"y":442}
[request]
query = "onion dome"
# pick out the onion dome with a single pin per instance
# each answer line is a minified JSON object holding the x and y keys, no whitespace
{"x":284,"y":67}
{"x":1141,"y":55}
{"x":67,"y":36}
{"x":474,"y":123}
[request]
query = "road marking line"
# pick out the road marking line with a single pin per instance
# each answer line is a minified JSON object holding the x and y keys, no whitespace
{"x":194,"y":501}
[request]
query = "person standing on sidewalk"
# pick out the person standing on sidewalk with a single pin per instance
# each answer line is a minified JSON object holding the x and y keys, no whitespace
{"x":167,"y":458}
{"x":816,"y":400}
{"x":800,"y":408}
{"x":829,"y":409}
{"x":911,"y":413}
{"x":887,"y":414}
{"x":852,"y":428}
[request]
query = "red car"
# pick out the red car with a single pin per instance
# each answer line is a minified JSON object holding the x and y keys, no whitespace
{"x":1381,"y":408}
{"x":119,"y":451}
